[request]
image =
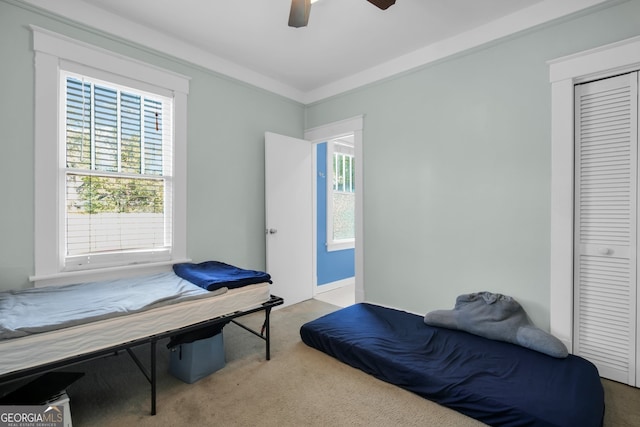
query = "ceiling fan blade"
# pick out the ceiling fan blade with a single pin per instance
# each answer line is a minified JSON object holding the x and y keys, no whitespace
{"x":299,"y":13}
{"x":383,"y":4}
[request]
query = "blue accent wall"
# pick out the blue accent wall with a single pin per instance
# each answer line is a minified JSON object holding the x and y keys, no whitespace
{"x":335,"y":265}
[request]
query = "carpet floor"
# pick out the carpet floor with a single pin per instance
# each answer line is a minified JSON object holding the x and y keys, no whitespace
{"x":299,"y":386}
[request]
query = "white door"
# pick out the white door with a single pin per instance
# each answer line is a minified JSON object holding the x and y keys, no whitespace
{"x":606,"y":191}
{"x":289,"y":222}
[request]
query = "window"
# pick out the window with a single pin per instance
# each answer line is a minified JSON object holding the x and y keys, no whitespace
{"x":341,"y":193}
{"x":110,"y":163}
{"x":117,"y":171}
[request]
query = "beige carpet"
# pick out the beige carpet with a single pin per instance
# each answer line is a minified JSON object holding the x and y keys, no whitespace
{"x":300,"y":386}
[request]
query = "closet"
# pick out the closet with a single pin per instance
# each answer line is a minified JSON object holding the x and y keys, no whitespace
{"x":606,"y":297}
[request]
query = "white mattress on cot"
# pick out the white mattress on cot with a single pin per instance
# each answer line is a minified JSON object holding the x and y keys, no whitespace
{"x":46,"y":347}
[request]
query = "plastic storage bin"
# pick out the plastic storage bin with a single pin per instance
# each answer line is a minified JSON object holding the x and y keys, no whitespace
{"x":194,"y":361}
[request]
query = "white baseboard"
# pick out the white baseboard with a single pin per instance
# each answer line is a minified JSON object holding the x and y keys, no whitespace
{"x":335,"y":285}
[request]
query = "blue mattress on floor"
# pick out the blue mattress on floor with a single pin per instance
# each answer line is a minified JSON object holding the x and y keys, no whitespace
{"x":498,"y":383}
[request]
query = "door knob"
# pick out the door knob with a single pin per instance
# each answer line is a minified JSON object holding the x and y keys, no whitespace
{"x":272,"y":231}
{"x":605,"y":251}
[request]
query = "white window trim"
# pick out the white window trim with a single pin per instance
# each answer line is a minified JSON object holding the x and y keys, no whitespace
{"x":564,"y":73}
{"x":332,"y":244}
{"x":323,"y":133}
{"x":51,"y":51}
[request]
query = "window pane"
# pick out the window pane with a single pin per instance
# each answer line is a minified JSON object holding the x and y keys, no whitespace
{"x":130,"y":133}
{"x":344,"y":171}
{"x":343,"y":206}
{"x":123,"y":201}
{"x":114,"y":214}
{"x":106,"y":129}
{"x":153,"y":137}
{"x":344,"y":215}
{"x":78,"y":124}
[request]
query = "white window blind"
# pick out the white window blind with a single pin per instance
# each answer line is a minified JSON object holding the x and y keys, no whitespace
{"x":117,"y":173}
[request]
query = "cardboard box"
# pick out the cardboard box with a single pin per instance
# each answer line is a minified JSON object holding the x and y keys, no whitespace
{"x":194,"y":361}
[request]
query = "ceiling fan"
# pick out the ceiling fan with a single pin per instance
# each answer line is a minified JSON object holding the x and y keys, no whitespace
{"x":299,"y":14}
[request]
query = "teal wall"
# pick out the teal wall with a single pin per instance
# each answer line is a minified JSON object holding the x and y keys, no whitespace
{"x":226,"y":124}
{"x":457,"y":168}
{"x":456,"y":161}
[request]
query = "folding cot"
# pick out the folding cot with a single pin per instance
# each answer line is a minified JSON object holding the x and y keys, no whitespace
{"x":44,"y":329}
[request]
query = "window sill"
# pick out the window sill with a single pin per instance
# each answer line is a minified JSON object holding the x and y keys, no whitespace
{"x":340,"y":246}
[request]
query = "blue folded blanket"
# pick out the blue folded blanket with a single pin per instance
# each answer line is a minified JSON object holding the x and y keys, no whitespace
{"x":212,"y":275}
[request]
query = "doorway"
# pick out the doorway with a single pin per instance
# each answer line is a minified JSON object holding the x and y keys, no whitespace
{"x":290,"y":210}
{"x":334,"y":162}
{"x":348,"y":290}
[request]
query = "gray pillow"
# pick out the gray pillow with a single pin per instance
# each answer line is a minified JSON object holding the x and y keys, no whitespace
{"x":498,"y":317}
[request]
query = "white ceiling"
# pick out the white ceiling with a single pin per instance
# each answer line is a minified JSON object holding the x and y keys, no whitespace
{"x":346,"y":44}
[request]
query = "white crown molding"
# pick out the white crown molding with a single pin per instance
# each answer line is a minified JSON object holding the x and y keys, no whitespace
{"x":538,"y":14}
{"x":123,"y":28}
{"x":522,"y":20}
{"x":620,"y":57}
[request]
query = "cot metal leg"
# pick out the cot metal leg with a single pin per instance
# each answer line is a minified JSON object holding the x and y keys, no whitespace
{"x":153,"y":377}
{"x":267,"y":327}
{"x":150,"y":376}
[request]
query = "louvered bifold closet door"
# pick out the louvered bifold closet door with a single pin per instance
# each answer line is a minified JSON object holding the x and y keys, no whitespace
{"x":606,"y":222}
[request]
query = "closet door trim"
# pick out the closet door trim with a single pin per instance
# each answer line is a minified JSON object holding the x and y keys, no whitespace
{"x":606,"y":216}
{"x":564,"y":73}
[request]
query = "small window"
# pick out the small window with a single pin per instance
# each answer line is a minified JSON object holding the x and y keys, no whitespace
{"x":341,"y":194}
{"x":117,"y":173}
